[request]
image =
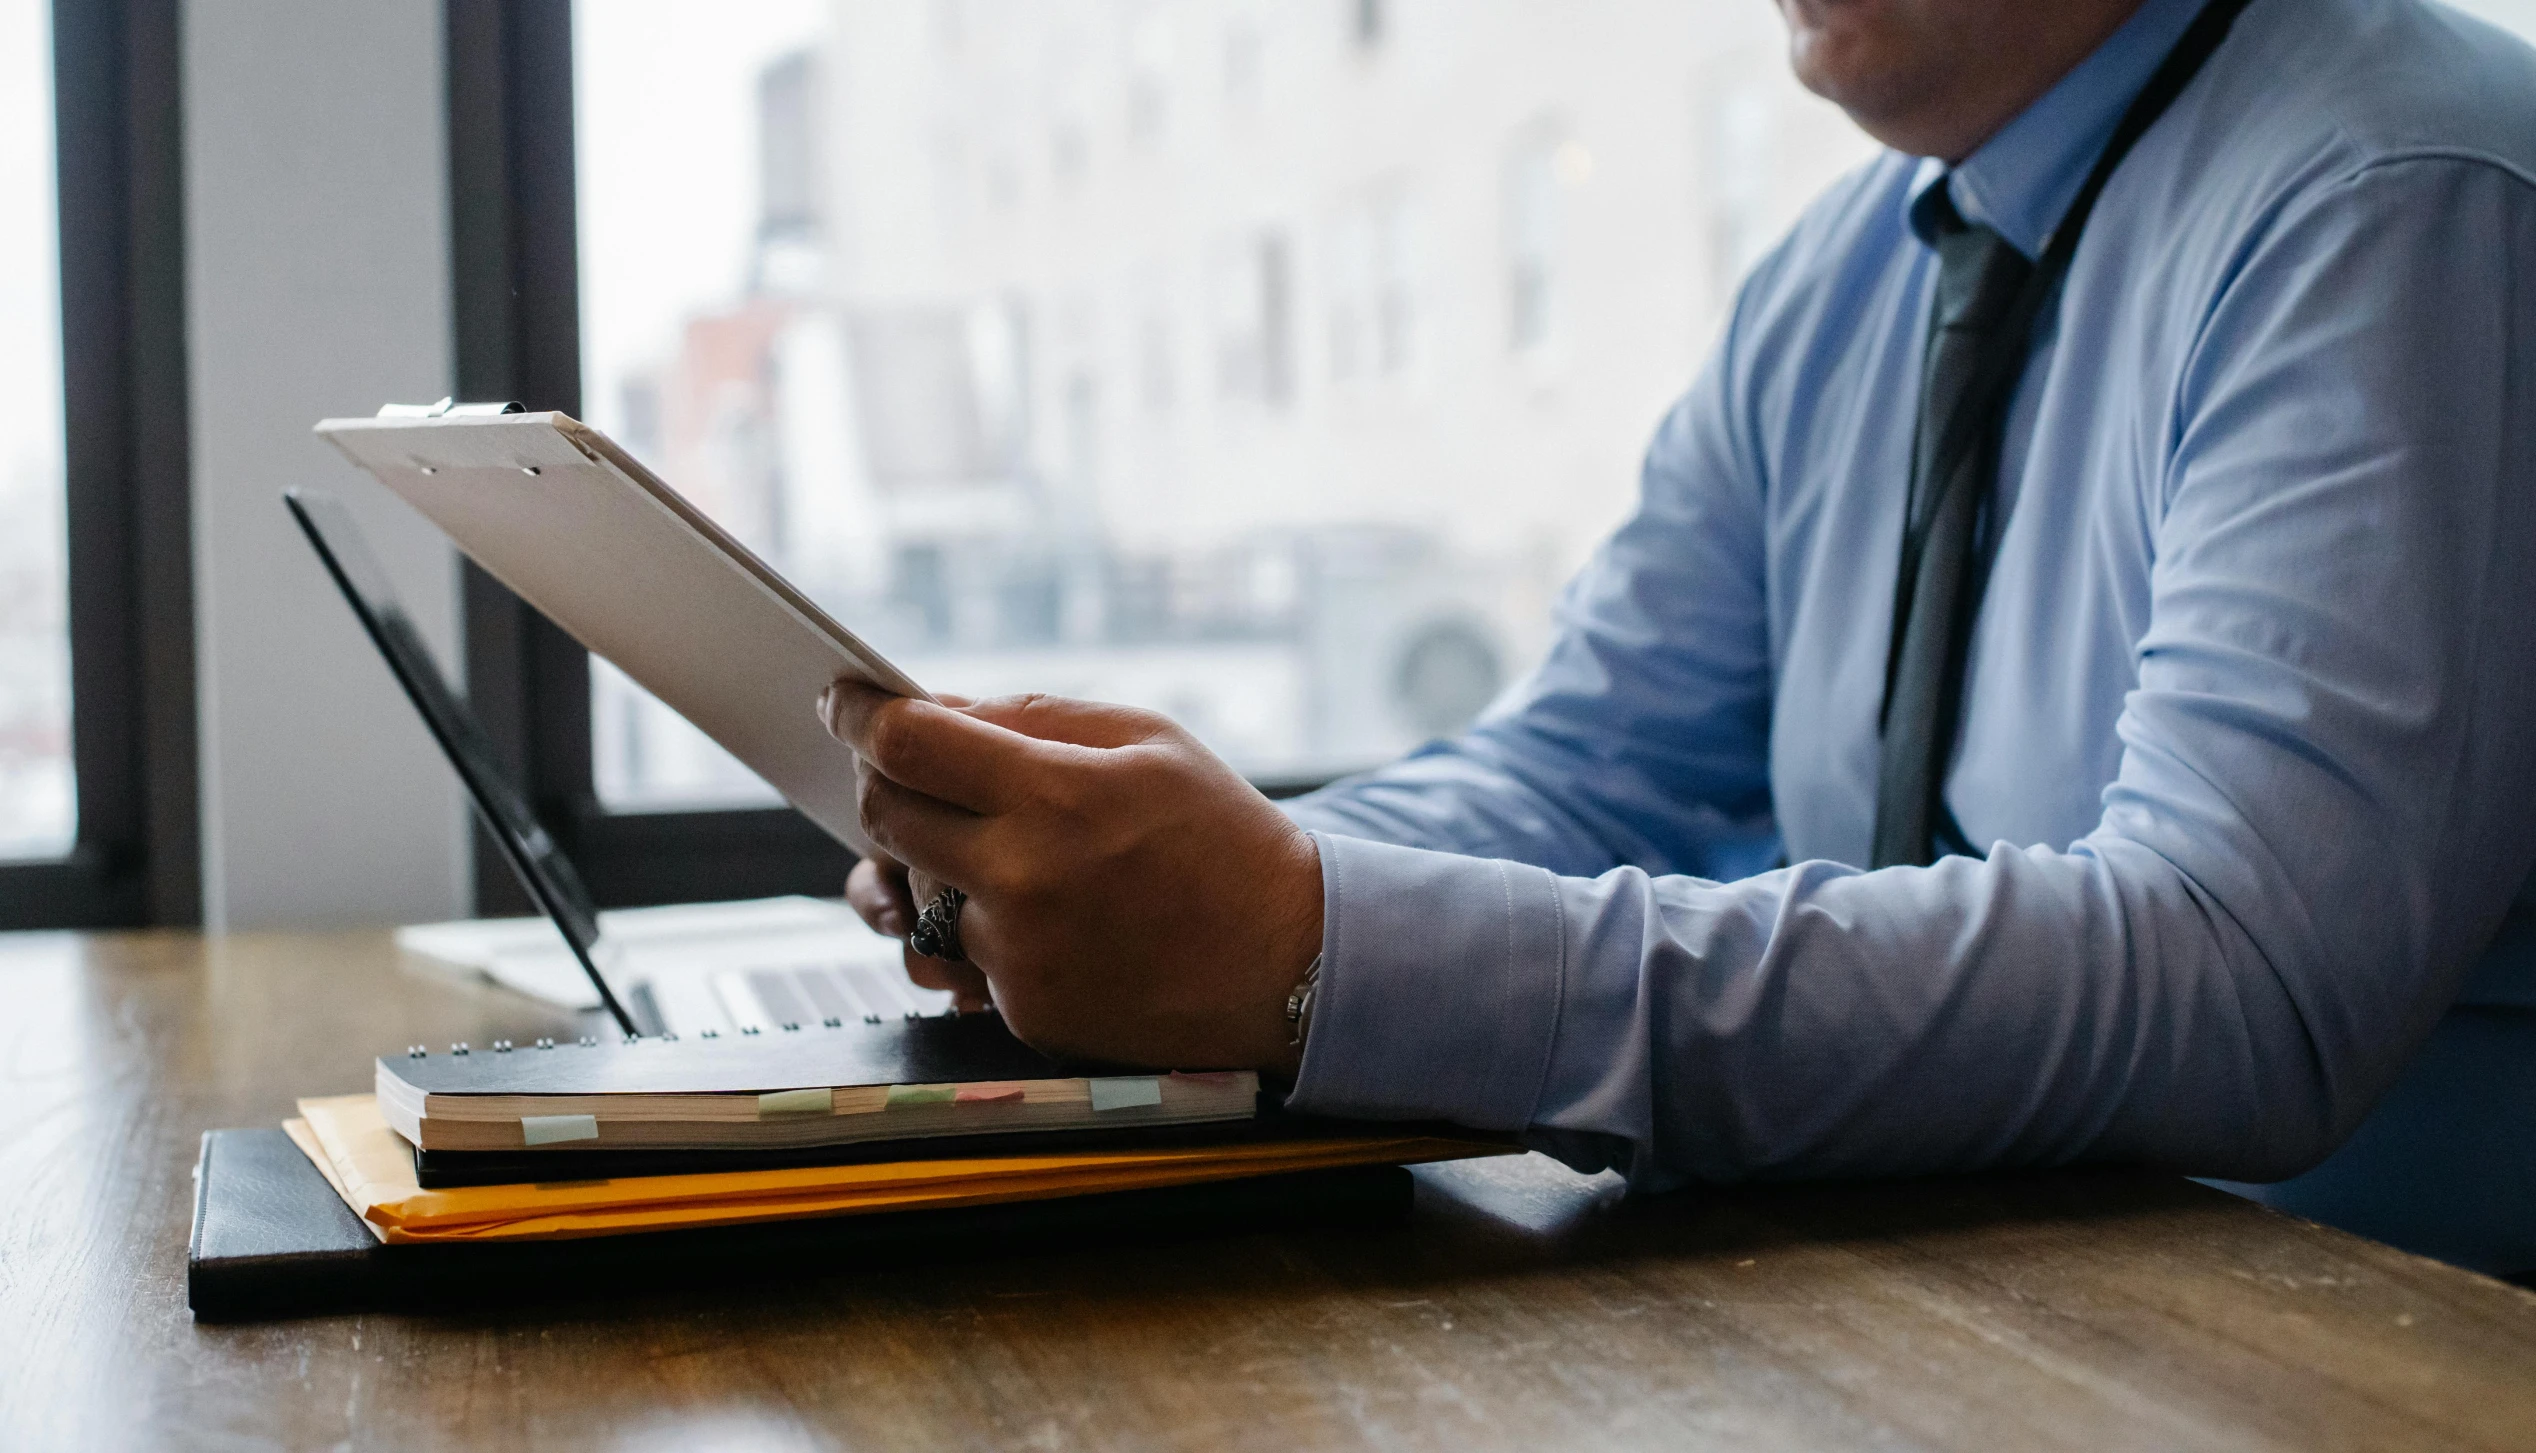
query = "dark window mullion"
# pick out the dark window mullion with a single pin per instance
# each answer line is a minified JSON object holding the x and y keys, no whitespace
{"x":503,"y":262}
{"x":514,"y":222}
{"x":91,"y":144}
{"x":159,"y":464}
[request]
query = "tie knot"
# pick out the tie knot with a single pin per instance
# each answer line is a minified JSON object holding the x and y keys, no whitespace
{"x":1978,"y":271}
{"x":1936,"y":211}
{"x":1978,"y":276}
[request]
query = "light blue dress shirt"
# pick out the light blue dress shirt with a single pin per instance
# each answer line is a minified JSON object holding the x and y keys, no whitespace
{"x":2250,"y":717}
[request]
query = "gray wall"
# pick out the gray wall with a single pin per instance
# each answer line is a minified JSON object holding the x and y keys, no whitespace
{"x":317,"y":278}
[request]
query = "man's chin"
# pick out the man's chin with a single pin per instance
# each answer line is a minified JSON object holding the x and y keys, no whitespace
{"x":1832,"y":47}
{"x":1841,"y":57}
{"x":1841,"y":69}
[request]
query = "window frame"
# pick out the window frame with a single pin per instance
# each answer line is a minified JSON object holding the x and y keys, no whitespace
{"x":516,"y":291}
{"x":514,"y":253}
{"x":118,"y":146}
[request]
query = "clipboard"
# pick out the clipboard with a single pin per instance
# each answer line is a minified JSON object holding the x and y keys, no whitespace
{"x":605,"y":549}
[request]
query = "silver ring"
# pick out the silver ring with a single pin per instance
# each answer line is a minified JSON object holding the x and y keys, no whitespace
{"x":937,"y":931}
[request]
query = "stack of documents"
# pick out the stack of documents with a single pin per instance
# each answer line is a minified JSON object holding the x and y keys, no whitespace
{"x":545,"y":1140}
{"x":373,"y":1170}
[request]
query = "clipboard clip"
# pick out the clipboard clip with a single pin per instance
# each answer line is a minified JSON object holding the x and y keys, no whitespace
{"x":448,"y":408}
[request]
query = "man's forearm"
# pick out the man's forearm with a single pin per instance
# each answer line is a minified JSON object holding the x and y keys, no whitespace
{"x":1816,"y":1020}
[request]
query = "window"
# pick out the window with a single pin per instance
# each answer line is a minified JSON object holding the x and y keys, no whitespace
{"x":1178,"y":353}
{"x":1373,"y":285}
{"x":1242,"y":60}
{"x":1254,"y":356}
{"x":38,"y":797}
{"x":1541,"y":166}
{"x":1151,"y":68}
{"x":96,"y":665}
{"x":962,"y":413}
{"x":1368,"y":19}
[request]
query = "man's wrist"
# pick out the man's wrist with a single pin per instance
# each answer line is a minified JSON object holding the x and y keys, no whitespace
{"x":1299,"y":1004}
{"x":1298,"y":1022}
{"x":1297,"y":959}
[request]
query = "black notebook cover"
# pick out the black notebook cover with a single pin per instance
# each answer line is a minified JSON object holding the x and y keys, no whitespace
{"x":272,"y":1239}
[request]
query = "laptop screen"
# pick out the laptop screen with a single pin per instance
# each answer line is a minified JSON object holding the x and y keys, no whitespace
{"x":542,"y":867}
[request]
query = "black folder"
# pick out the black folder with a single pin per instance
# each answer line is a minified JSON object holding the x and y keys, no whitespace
{"x":271,"y":1239}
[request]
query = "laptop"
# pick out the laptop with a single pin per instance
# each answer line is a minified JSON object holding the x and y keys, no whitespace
{"x":706,"y":984}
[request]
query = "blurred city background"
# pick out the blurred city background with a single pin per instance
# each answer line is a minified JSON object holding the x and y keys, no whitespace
{"x":1267,"y":364}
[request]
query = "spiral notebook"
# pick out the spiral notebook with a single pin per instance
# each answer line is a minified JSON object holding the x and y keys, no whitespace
{"x":834,"y":1083}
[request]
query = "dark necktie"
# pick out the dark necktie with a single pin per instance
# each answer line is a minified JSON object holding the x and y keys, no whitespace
{"x":1978,"y":278}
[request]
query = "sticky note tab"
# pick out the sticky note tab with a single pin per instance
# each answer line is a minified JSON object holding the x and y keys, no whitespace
{"x":1204,"y":1077}
{"x":554,"y":1129}
{"x":858,"y":1099}
{"x":1125,"y":1094}
{"x":990,"y":1094}
{"x":793,"y":1102}
{"x":920,"y":1095}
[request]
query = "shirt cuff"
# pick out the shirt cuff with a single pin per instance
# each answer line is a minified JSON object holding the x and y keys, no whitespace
{"x":1441,"y":982}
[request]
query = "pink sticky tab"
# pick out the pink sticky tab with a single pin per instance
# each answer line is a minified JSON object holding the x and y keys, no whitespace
{"x":987,"y":1094}
{"x":1204,"y":1077}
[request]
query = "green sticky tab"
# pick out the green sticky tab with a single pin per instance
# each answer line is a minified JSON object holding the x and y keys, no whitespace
{"x":793,"y":1102}
{"x":1125,"y":1094}
{"x":555,"y":1129}
{"x":921,"y":1095}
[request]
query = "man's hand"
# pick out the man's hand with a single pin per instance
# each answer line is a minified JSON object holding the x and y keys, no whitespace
{"x":1131,"y":898}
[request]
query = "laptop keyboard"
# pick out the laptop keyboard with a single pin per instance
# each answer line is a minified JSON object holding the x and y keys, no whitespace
{"x":756,"y":998}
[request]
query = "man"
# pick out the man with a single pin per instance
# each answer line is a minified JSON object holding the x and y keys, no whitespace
{"x":2242,"y":701}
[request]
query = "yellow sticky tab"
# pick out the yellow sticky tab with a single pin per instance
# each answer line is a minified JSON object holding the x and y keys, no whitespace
{"x":793,"y":1102}
{"x":553,"y":1129}
{"x":921,"y":1095}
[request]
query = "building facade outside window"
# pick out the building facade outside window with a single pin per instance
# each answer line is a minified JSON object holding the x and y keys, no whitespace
{"x":1272,"y":365}
{"x":1187,"y":353}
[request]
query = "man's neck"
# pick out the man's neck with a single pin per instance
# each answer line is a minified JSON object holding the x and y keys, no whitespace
{"x":1946,"y":80}
{"x":2064,"y":36}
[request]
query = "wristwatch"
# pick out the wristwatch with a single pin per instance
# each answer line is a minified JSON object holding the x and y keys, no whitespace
{"x":1299,"y":1003}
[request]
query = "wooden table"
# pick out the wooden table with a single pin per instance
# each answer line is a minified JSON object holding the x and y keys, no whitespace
{"x":1523,"y":1307}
